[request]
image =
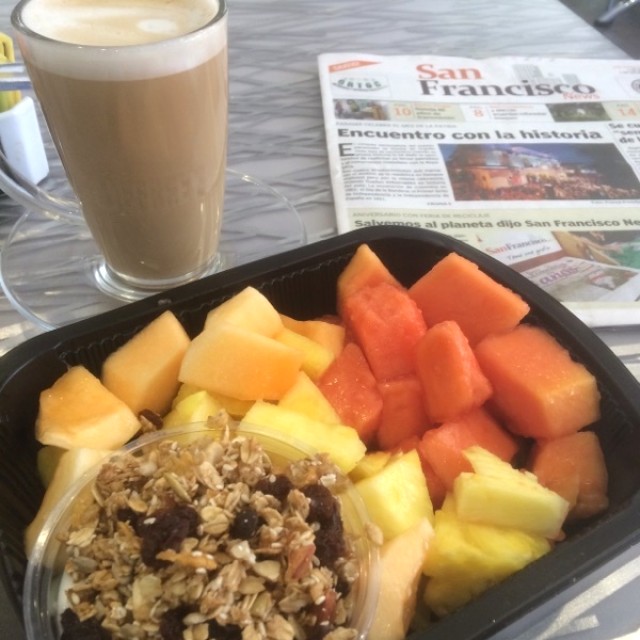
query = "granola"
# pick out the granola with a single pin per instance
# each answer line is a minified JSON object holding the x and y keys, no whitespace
{"x":208,"y":539}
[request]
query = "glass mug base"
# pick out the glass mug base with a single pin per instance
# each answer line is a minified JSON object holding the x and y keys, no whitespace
{"x":53,"y":273}
{"x":111,"y":283}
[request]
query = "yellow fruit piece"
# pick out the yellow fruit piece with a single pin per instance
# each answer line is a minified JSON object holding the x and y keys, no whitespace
{"x":464,"y":559}
{"x":329,"y":334}
{"x":250,"y":310}
{"x":305,"y":397}
{"x":71,"y":465}
{"x":143,"y":372}
{"x":397,"y":497}
{"x":371,"y":464}
{"x":184,"y":390}
{"x":400,"y":570}
{"x":46,"y":461}
{"x":234,"y":407}
{"x":79,"y":411}
{"x":342,"y":443}
{"x":316,"y":358}
{"x":196,"y":407}
{"x":235,"y":362}
{"x":500,"y":495}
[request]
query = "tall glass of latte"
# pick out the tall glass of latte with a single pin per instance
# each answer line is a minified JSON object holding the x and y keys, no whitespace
{"x":134,"y":93}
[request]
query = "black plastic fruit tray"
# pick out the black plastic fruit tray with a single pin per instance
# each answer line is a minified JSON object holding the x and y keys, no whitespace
{"x":302,"y":283}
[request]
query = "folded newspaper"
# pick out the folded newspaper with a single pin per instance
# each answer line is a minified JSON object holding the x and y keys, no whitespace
{"x":536,"y":161}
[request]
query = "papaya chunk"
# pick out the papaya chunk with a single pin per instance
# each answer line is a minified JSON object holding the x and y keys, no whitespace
{"x":537,"y":387}
{"x":452,"y":381}
{"x":437,"y":488}
{"x":403,"y":413}
{"x":387,"y":325}
{"x":456,"y":289}
{"x":351,"y":388}
{"x":443,"y":447}
{"x":574,"y":467}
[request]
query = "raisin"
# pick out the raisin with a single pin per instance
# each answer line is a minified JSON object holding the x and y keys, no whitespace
{"x":329,"y":541}
{"x":171,"y":623}
{"x":322,"y":504}
{"x":150,"y":421}
{"x":166,"y":529}
{"x":224,"y":631}
{"x":277,"y":486}
{"x":343,"y":587}
{"x":126,"y":514}
{"x":245,"y":524}
{"x":74,"y":629}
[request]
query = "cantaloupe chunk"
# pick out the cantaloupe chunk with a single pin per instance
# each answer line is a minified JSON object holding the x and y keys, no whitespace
{"x":396,"y":497}
{"x":387,"y":326}
{"x":47,"y":461}
{"x":574,"y":466}
{"x":352,"y":390}
{"x":143,"y":372}
{"x":341,"y":442}
{"x":443,"y":446}
{"x":452,"y":382}
{"x":538,"y":388}
{"x":305,"y":397}
{"x":328,"y":333}
{"x":401,"y":562}
{"x":248,"y":309}
{"x":455,"y":289}
{"x":364,"y":269}
{"x":243,"y":364}
{"x":71,"y":466}
{"x":79,"y":411}
{"x":316,"y":357}
{"x":403,"y":412}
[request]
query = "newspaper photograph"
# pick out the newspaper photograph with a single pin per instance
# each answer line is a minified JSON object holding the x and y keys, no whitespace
{"x":535,"y":161}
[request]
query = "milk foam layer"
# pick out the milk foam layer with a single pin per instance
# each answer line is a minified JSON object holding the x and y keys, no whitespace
{"x":114,"y":30}
{"x":116,"y":22}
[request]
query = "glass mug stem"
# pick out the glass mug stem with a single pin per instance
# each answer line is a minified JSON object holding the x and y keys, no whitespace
{"x":141,"y":128}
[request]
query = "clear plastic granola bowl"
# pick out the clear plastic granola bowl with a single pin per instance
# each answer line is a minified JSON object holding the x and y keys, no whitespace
{"x":124,"y":540}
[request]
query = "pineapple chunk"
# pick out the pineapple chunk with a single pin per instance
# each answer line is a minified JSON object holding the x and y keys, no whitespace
{"x":341,"y":442}
{"x":305,"y":397}
{"x":196,"y":407}
{"x":396,"y":497}
{"x":464,"y":558}
{"x":371,"y":464}
{"x":234,"y":407}
{"x":500,"y":495}
{"x":79,"y":411}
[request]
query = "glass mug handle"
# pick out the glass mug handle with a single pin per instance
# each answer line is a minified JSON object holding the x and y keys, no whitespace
{"x":13,"y":77}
